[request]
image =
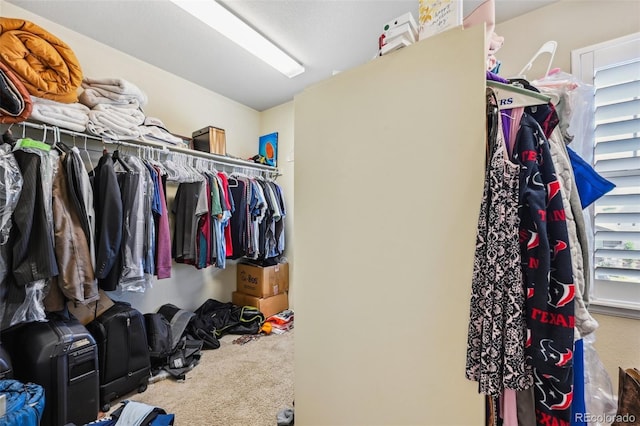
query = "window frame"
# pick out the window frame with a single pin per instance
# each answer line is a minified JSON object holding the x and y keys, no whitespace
{"x":583,"y":68}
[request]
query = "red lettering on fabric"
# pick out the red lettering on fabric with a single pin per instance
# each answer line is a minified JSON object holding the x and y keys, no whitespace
{"x":543,"y":215}
{"x":560,"y":320}
{"x":529,"y":155}
{"x":557,"y":216}
{"x":533,"y":263}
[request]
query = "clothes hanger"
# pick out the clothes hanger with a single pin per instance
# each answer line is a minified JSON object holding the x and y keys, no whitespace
{"x":117,"y":159}
{"x":32,"y":143}
{"x":7,"y":136}
{"x":512,"y":96}
{"x":87,"y":152}
{"x":548,"y":47}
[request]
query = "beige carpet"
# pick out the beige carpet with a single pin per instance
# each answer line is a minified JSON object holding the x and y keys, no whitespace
{"x":234,"y":385}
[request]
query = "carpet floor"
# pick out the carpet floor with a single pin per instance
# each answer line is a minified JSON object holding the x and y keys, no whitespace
{"x":234,"y":385}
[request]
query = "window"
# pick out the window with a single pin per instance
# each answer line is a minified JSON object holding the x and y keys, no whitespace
{"x":613,"y":68}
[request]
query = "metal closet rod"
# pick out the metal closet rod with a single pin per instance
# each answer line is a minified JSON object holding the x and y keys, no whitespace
{"x":214,"y":158}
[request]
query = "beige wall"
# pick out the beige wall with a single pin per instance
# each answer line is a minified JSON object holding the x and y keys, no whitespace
{"x":281,"y":119}
{"x":577,"y":24}
{"x":184,"y":107}
{"x":388,"y":189}
{"x":572,"y":23}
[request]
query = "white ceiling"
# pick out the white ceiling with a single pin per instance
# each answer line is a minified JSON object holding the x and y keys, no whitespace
{"x":324,"y":35}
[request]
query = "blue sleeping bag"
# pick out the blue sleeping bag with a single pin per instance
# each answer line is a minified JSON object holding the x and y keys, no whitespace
{"x":24,"y":403}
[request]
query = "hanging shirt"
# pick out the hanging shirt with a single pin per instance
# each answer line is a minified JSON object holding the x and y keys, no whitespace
{"x":108,"y":210}
{"x":230,"y":206}
{"x":163,"y":242}
{"x":546,"y":261}
{"x":82,"y":194}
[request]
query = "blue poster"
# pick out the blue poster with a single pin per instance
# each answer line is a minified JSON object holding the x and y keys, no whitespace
{"x":268,"y":148}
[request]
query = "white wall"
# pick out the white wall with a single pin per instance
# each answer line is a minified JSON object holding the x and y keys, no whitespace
{"x":183,"y":107}
{"x":281,"y":119}
{"x":390,"y":165}
{"x":575,"y":24}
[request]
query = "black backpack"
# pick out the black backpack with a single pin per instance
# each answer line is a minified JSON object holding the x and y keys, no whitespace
{"x":159,"y":338}
{"x":175,"y":349}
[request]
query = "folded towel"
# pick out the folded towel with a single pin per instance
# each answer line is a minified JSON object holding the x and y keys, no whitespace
{"x":111,"y":91}
{"x":74,"y":116}
{"x":159,"y":134}
{"x":118,"y":122}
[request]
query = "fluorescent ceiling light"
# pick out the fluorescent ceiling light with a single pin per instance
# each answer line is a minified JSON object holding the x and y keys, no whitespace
{"x":226,"y":23}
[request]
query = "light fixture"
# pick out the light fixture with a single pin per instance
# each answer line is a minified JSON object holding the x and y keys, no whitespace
{"x":226,"y":23}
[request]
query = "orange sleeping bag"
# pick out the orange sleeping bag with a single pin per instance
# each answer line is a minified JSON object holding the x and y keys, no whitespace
{"x":45,"y":64}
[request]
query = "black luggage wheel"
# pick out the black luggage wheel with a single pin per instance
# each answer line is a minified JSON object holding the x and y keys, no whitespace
{"x":106,"y":407}
{"x":142,"y":387}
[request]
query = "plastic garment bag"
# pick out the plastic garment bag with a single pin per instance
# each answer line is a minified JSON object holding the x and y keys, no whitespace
{"x":600,"y":401}
{"x":10,"y":188}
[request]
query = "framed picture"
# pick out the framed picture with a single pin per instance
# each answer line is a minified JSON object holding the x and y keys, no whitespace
{"x":268,"y":148}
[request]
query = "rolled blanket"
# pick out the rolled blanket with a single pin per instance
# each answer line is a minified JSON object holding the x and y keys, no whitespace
{"x":111,"y":91}
{"x":73,"y":116}
{"x":117,"y":122}
{"x":45,"y":64}
{"x":15,"y":102}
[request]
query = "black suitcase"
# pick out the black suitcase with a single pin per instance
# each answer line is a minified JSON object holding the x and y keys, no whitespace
{"x":6,"y":369}
{"x":123,"y":352}
{"x":62,"y":357}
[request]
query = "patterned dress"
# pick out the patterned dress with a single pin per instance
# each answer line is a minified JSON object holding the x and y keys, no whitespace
{"x":496,"y":337}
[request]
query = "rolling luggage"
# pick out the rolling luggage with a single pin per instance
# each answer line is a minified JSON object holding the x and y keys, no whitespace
{"x":6,"y":369}
{"x":123,"y":352}
{"x":62,"y":357}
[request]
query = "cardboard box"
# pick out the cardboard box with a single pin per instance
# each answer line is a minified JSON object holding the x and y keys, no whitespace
{"x":261,"y":281}
{"x":87,"y":313}
{"x":267,"y":305}
{"x":210,"y":139}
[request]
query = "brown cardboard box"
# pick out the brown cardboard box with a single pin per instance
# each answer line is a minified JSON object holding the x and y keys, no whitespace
{"x":210,"y":139}
{"x":87,"y":313}
{"x":268,"y":305}
{"x":261,"y":281}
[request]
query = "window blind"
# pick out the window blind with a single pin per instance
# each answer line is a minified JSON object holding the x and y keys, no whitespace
{"x":617,"y":158}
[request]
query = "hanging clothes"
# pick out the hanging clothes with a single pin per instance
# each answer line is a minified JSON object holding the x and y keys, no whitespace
{"x":10,"y":189}
{"x":109,"y":222}
{"x":188,"y":205}
{"x":31,"y":239}
{"x":76,"y":277}
{"x":546,"y":260}
{"x":163,"y":242}
{"x":495,"y":347}
{"x":82,"y":196}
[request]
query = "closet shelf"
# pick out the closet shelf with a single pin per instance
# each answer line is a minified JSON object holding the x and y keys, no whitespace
{"x":164,"y":148}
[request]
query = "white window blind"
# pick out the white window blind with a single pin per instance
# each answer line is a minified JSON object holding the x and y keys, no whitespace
{"x":614,"y":70}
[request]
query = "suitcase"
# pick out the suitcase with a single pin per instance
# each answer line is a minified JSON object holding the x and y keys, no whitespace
{"x":123,"y":352}
{"x":62,"y":357}
{"x":6,"y":369}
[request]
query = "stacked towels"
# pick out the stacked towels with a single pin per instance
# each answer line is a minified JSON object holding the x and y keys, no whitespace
{"x":74,"y":116}
{"x":112,"y":91}
{"x":116,"y":112}
{"x":115,"y":107}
